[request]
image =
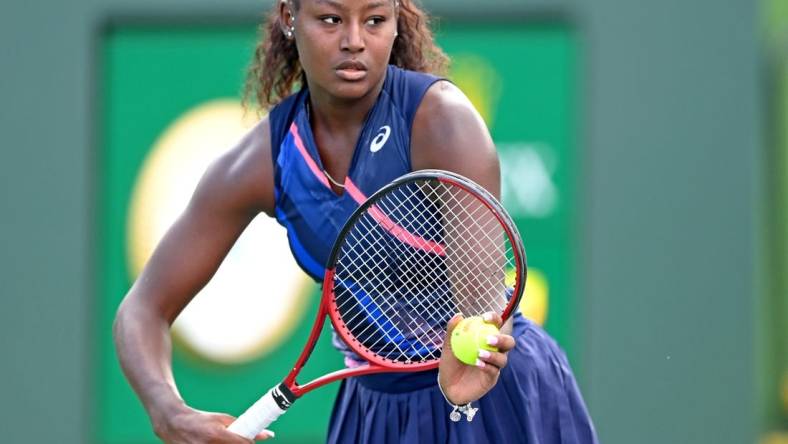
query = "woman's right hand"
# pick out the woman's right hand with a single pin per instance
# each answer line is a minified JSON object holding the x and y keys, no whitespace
{"x":191,"y":426}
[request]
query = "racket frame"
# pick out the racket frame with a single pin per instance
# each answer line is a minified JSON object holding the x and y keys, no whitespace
{"x":328,"y":307}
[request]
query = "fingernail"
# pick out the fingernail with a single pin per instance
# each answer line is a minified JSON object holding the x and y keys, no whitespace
{"x":492,"y":340}
{"x":270,"y":434}
{"x":480,"y":363}
{"x":484,"y":353}
{"x":488,"y":317}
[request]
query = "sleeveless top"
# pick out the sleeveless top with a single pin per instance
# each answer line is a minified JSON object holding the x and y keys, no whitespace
{"x":306,"y":205}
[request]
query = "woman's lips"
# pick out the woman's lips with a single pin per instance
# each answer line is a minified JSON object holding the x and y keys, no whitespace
{"x":351,"y":70}
{"x":351,"y":74}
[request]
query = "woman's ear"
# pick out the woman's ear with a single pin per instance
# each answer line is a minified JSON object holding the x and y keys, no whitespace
{"x":287,"y":18}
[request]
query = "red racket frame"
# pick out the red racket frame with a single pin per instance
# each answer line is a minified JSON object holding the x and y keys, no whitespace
{"x":328,"y":307}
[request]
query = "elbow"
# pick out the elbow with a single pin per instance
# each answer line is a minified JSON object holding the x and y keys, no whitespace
{"x":134,"y":314}
{"x":118,"y":324}
{"x":130,"y":312}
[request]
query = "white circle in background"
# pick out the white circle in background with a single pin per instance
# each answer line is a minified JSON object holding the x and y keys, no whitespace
{"x":259,"y":294}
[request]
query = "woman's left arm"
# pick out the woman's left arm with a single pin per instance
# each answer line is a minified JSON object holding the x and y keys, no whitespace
{"x":449,"y":134}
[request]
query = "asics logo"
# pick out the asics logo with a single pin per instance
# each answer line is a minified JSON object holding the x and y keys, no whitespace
{"x":380,"y":140}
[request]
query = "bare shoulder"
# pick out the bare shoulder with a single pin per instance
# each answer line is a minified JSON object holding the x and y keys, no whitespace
{"x":448,"y":133}
{"x":242,"y":178}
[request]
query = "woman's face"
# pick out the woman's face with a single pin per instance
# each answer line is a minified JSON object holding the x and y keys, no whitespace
{"x":344,"y":46}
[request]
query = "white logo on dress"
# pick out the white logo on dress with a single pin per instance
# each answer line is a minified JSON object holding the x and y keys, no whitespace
{"x":380,"y":140}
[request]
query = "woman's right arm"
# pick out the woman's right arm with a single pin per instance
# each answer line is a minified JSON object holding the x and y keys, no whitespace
{"x":235,"y":189}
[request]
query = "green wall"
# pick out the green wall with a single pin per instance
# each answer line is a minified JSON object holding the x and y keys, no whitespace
{"x":669,"y":173}
{"x":773,"y":331}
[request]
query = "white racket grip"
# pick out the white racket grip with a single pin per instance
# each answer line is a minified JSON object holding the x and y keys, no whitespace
{"x":263,"y":412}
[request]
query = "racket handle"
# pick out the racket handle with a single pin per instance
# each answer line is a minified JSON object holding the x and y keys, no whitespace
{"x":263,"y":412}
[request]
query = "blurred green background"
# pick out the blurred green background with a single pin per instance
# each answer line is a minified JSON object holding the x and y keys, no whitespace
{"x":663,"y":127}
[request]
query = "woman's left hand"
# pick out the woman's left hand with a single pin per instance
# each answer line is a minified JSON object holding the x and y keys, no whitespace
{"x":462,"y":383}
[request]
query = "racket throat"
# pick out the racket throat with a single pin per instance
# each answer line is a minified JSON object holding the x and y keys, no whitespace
{"x":283,"y":396}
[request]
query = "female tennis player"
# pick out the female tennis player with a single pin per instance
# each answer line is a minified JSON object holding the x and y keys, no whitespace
{"x":370,"y":107}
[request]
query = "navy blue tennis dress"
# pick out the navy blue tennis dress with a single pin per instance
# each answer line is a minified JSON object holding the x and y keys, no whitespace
{"x":536,"y":399}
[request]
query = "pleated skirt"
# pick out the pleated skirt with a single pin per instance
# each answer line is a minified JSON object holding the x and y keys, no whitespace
{"x":536,"y":400}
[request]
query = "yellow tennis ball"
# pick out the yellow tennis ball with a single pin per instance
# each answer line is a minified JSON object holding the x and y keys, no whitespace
{"x":469,"y":336}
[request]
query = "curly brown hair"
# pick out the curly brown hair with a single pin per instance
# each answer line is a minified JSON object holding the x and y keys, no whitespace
{"x":275,"y":69}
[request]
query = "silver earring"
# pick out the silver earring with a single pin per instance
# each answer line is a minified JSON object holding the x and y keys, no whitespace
{"x":289,"y":32}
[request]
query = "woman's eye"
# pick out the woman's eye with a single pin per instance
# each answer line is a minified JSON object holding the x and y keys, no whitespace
{"x":331,"y":19}
{"x":375,"y":21}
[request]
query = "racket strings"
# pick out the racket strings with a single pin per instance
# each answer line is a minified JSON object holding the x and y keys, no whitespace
{"x":387,"y":300}
{"x":410,"y":267}
{"x":452,"y":262}
{"x":473,"y":216}
{"x":421,"y":253}
{"x":465,"y":247}
{"x":424,"y":330}
{"x":467,"y":250}
{"x":487,"y":234}
{"x":376,"y":278}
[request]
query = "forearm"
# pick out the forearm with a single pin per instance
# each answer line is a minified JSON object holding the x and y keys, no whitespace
{"x":143,"y":345}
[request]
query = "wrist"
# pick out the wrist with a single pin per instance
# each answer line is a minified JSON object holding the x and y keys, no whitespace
{"x":443,"y":387}
{"x":450,"y":394}
{"x":457,"y":409}
{"x":163,"y":408}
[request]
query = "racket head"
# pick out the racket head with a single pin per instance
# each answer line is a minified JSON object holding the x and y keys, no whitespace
{"x":426,"y":246}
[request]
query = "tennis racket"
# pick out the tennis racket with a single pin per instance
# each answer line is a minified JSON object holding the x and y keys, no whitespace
{"x":426,"y":246}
